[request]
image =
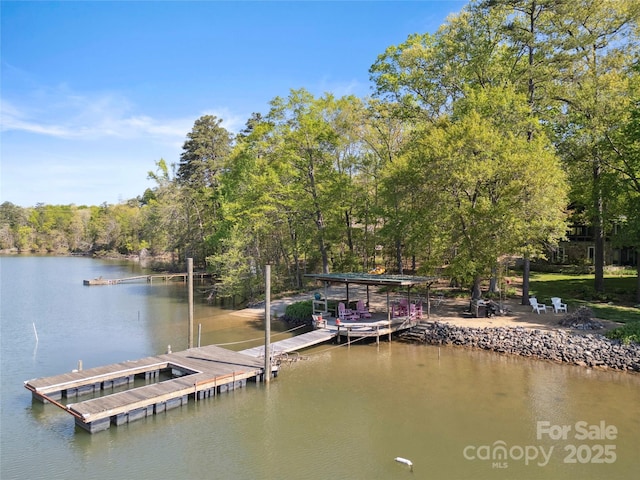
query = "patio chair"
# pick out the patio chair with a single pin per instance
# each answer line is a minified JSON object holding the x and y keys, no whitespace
{"x":345,"y":314}
{"x":362,"y":311}
{"x":415,"y":310}
{"x":438,"y":299}
{"x":402,"y":308}
{"x":558,"y":306}
{"x":318,"y":321}
{"x":537,"y":307}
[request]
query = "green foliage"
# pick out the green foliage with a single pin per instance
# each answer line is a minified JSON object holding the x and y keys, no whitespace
{"x":204,"y":153}
{"x":462,"y":157}
{"x":629,"y":332}
{"x":486,"y":184}
{"x":299,"y":312}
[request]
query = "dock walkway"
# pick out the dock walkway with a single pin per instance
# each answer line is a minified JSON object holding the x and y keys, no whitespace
{"x":198,"y":373}
{"x":148,"y":278}
{"x":293,"y":344}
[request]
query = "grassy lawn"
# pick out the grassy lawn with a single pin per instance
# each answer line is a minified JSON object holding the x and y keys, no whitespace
{"x":615,"y":304}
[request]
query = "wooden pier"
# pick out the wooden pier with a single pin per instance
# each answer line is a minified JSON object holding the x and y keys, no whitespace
{"x":132,"y":390}
{"x":349,"y":330}
{"x":148,"y":278}
{"x":293,"y":344}
{"x":196,"y":373}
{"x":374,"y":329}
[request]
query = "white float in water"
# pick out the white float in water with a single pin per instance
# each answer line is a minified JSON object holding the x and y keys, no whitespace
{"x":405,"y":461}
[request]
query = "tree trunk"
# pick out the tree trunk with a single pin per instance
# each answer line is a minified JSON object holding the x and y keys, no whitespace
{"x":493,"y":281}
{"x":525,"y":280}
{"x":321,"y":243}
{"x":323,"y":252}
{"x":399,"y":255}
{"x":398,"y":241}
{"x":347,"y":219}
{"x":476,"y":292}
{"x":319,"y":217}
{"x":598,"y":227}
{"x":638,"y":282}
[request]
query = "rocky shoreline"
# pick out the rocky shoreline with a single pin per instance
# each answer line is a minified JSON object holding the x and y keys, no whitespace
{"x":591,"y":350}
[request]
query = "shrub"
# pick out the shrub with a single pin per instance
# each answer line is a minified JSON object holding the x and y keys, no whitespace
{"x":299,"y":313}
{"x":629,"y":332}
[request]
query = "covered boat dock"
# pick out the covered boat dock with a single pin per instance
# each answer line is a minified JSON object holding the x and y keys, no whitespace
{"x":376,"y":324}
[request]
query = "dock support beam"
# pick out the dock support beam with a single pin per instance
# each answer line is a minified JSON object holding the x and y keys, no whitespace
{"x":267,"y":324}
{"x":190,"y":274}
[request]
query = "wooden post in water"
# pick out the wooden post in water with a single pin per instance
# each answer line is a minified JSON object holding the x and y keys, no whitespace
{"x":190,"y":287}
{"x":267,"y":323}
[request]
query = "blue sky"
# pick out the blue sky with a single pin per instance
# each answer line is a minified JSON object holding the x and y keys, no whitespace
{"x":94,"y":93}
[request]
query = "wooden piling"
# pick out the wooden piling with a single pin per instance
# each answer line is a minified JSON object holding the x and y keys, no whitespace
{"x":190,"y":288}
{"x":267,"y":324}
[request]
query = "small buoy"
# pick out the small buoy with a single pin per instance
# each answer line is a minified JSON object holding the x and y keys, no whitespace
{"x":405,"y":461}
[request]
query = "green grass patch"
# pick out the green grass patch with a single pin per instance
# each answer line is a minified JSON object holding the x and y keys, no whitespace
{"x":616,"y":304}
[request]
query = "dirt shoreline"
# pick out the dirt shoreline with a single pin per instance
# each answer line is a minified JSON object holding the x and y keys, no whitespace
{"x":451,"y":311}
{"x":519,"y":332}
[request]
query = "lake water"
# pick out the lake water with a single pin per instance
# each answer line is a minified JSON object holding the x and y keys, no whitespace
{"x":343,"y":413}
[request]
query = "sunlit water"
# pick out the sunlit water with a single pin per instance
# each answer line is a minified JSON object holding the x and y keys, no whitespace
{"x":342,"y":413}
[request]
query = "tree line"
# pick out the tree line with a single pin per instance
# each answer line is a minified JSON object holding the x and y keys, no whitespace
{"x":481,"y":141}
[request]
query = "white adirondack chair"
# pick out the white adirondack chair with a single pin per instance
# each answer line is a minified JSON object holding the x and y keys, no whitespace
{"x":558,"y":306}
{"x":537,"y":307}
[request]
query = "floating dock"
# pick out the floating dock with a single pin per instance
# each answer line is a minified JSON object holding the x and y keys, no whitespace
{"x":169,"y":381}
{"x":128,"y":391}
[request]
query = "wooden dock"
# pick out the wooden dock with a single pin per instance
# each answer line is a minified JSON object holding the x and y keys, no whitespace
{"x":293,"y":344}
{"x":168,"y":381}
{"x":349,"y":330}
{"x":196,"y":373}
{"x":148,"y":278}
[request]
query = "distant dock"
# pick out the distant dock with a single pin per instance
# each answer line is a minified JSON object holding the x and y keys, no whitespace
{"x":169,"y":381}
{"x":148,"y":278}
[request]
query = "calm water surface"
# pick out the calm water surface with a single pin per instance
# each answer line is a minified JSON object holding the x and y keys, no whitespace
{"x":343,"y":413}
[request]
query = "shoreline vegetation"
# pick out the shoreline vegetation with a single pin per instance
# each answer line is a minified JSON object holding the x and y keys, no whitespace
{"x":551,"y":342}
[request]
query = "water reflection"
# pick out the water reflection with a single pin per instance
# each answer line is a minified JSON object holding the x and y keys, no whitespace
{"x":343,"y":412}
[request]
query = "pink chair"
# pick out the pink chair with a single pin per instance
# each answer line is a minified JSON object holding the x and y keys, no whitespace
{"x":403,"y":308}
{"x":362,"y":311}
{"x":345,"y":314}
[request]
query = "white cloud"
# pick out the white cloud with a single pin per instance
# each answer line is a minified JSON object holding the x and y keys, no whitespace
{"x":64,"y":114}
{"x":339,"y":88}
{"x":60,"y":146}
{"x":90,"y":117}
